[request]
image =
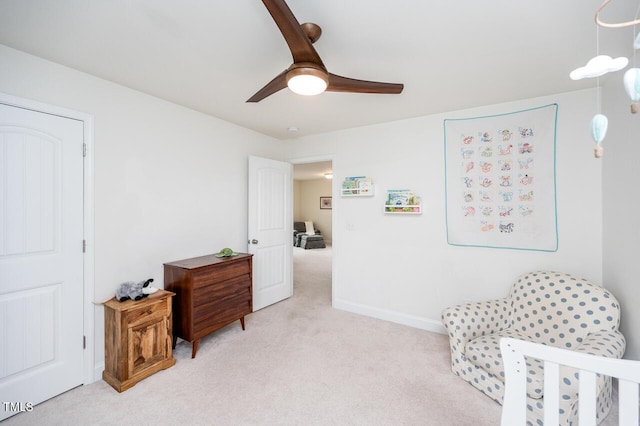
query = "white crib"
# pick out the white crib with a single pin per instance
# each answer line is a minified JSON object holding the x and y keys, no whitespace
{"x":514,"y":411}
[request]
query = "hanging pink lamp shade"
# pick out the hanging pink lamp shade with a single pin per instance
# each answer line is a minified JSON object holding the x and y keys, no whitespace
{"x":599,"y":126}
{"x":631,"y":82}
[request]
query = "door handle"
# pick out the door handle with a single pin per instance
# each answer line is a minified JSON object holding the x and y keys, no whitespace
{"x":254,"y":241}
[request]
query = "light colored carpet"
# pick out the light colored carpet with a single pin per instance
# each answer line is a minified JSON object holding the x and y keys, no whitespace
{"x":299,"y":362}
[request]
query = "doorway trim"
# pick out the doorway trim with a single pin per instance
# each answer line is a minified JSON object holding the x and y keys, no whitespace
{"x":319,"y":159}
{"x":89,"y":373}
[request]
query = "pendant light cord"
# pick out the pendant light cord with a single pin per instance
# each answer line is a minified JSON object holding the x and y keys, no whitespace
{"x":598,"y":106}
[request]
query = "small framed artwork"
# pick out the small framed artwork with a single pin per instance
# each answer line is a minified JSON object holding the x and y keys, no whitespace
{"x":325,"y":203}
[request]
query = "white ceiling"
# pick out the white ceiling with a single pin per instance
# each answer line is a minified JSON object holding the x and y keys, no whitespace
{"x":212,"y":55}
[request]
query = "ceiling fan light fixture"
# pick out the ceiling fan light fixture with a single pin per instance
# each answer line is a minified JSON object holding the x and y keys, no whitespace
{"x":307,"y":81}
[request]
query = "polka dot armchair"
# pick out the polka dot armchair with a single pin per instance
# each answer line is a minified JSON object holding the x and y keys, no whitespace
{"x":544,"y":307}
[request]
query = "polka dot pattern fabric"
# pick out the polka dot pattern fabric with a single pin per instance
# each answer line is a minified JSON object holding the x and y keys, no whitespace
{"x":551,"y":308}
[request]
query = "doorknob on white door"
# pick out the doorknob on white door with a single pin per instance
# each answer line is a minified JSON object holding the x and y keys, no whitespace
{"x":254,"y":241}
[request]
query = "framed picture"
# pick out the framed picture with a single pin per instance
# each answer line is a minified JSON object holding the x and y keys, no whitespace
{"x":325,"y":203}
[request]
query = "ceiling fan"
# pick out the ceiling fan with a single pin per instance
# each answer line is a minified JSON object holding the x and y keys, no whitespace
{"x":308,"y":75}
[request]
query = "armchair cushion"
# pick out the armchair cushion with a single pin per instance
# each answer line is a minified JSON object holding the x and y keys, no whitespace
{"x":484,"y":352}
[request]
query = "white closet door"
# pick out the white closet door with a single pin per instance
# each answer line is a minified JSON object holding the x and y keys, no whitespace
{"x":41,"y":257}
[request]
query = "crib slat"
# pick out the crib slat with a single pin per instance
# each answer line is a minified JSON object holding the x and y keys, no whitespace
{"x":628,"y":403}
{"x":551,"y":393}
{"x":587,"y":395}
{"x":515,"y":396}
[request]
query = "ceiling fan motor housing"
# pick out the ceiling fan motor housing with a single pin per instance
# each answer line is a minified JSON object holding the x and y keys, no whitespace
{"x":313,"y":31}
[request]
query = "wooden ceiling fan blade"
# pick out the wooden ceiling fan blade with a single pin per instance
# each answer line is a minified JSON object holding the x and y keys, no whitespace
{"x":301,"y":48}
{"x":344,"y":84}
{"x":275,"y":85}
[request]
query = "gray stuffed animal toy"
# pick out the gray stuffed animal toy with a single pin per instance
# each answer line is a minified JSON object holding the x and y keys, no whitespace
{"x":134,"y":291}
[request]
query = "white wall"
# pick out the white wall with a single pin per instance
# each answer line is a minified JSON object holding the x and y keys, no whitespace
{"x":400,"y":268}
{"x":308,"y":196}
{"x":621,"y":205}
{"x":170,"y":183}
{"x":297,"y":197}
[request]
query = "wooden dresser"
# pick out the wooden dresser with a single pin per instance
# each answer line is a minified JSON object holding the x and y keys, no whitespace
{"x":137,"y":339}
{"x":211,"y":292}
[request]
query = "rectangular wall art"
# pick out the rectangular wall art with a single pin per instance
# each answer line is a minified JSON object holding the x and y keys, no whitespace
{"x":500,"y":180}
{"x":325,"y":203}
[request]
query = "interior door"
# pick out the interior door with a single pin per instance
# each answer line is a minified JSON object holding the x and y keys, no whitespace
{"x":41,"y":257}
{"x":270,"y":230}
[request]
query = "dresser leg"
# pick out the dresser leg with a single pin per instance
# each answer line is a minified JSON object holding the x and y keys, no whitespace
{"x":174,"y":341}
{"x":242,"y":322}
{"x":195,"y":348}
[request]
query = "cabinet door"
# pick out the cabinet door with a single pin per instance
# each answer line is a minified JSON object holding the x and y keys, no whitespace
{"x":148,"y":345}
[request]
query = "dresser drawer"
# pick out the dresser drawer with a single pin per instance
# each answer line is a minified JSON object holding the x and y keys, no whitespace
{"x":147,"y":312}
{"x":214,"y":275}
{"x":217,"y":314}
{"x":218,"y":304}
{"x":221,"y":290}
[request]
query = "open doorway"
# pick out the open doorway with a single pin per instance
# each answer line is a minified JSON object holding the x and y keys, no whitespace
{"x":313,"y":206}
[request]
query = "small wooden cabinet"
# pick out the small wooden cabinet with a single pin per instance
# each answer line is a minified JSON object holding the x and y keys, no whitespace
{"x":211,"y":292}
{"x":137,"y":339}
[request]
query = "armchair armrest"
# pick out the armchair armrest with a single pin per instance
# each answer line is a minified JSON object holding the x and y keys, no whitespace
{"x":605,"y":343}
{"x":470,"y":320}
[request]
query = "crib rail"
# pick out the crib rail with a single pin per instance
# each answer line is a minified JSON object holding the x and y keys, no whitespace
{"x":514,"y":409}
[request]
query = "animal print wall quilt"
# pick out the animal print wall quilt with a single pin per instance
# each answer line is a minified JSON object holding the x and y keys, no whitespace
{"x":500,"y":183}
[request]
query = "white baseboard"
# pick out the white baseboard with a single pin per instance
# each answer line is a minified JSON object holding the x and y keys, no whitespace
{"x":392,"y":316}
{"x":97,"y":371}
